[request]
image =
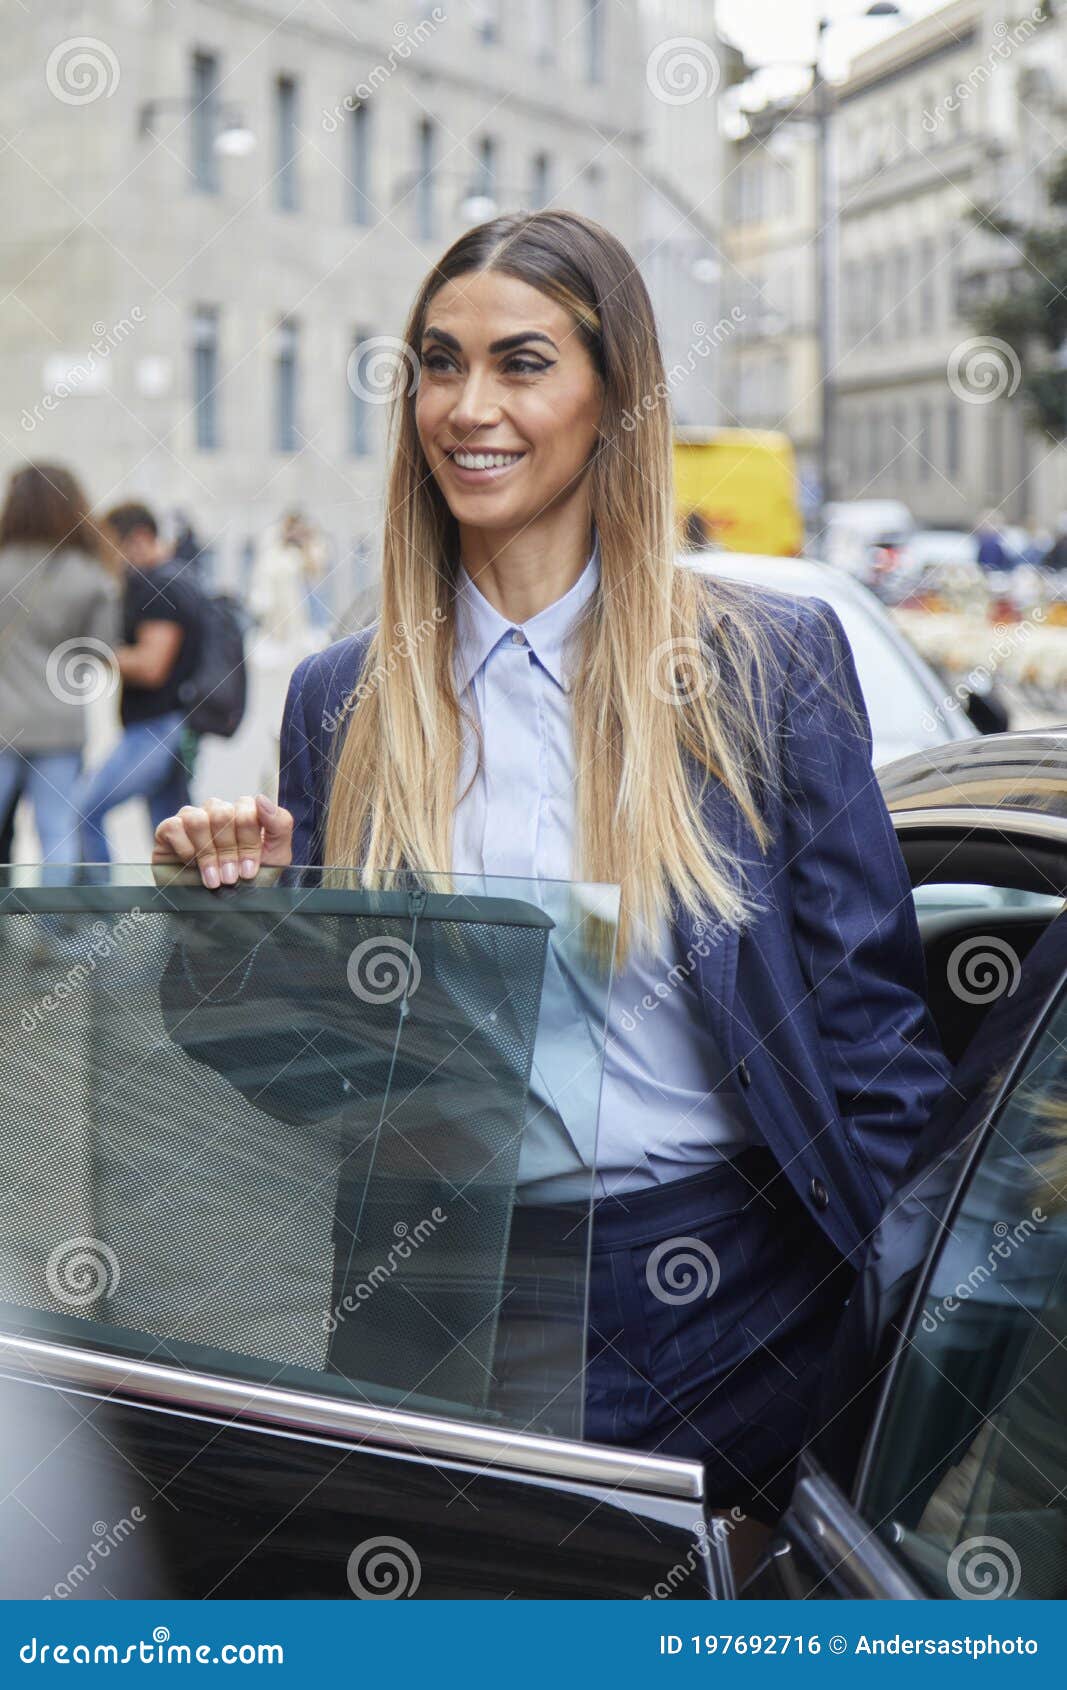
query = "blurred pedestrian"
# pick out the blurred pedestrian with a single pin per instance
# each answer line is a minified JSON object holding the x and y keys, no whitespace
{"x":1056,"y":556}
{"x":161,"y":625}
{"x":59,"y":623}
{"x":278,"y":597}
{"x":992,"y":552}
{"x":186,"y":551}
{"x":315,"y":553}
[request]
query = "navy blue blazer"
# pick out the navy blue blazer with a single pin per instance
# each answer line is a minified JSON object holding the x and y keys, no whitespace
{"x":819,"y":1004}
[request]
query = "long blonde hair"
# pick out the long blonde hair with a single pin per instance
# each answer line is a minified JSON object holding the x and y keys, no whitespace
{"x":671,"y":670}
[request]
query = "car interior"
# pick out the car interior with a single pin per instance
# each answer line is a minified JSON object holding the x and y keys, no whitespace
{"x":973,"y":888}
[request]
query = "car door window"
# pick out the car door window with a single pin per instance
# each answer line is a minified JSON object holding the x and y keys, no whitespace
{"x":285,"y":1132}
{"x":969,"y":1477}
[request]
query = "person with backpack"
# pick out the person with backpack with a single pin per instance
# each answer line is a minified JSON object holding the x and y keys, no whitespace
{"x":159,"y":656}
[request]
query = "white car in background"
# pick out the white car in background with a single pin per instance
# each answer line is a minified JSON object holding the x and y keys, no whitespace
{"x":910,"y":708}
{"x":855,"y":527}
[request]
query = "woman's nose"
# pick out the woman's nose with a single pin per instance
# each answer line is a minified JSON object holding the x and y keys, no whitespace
{"x":476,"y":403}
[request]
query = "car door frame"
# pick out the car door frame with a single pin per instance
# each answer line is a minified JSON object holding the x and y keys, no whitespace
{"x":822,"y":1521}
{"x":662,"y":1492}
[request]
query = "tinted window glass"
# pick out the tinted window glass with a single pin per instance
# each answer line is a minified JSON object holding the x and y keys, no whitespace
{"x":284,"y":1131}
{"x":970,"y":1476}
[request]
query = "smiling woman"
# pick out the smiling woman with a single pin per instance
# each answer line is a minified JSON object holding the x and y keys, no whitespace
{"x":570,"y":705}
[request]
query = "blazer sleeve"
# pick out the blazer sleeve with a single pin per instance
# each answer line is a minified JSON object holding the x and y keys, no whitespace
{"x":855,"y":930}
{"x":300,"y":773}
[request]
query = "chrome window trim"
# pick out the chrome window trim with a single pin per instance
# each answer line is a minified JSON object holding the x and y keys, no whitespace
{"x":846,"y":1544}
{"x":969,"y":817}
{"x":393,"y":1429}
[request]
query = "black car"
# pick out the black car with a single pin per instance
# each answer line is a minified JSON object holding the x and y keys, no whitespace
{"x":213,"y":1386}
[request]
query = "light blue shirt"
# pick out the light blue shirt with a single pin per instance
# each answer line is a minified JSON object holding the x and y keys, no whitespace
{"x":667,"y":1106}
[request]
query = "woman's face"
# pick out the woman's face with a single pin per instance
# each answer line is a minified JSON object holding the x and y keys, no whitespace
{"x":508,"y":401}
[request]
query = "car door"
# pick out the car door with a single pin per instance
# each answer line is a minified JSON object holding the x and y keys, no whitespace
{"x":228,"y":1365}
{"x":939,"y":1461}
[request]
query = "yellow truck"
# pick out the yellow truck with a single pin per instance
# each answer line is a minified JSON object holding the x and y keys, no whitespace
{"x":737,"y":488}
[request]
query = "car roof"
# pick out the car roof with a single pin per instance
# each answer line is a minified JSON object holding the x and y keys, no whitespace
{"x":785,"y":574}
{"x":1012,"y":774}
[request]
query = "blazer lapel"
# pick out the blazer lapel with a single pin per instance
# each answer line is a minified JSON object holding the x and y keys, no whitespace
{"x":713,"y":943}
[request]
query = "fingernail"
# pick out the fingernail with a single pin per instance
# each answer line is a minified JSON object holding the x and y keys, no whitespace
{"x":268,"y":803}
{"x":248,"y":868}
{"x":229,"y":873}
{"x":211,"y":876}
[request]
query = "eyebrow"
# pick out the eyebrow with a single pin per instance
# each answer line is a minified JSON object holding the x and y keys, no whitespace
{"x":508,"y":344}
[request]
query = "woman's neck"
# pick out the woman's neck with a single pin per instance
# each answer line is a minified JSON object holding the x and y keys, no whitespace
{"x":522,"y":571}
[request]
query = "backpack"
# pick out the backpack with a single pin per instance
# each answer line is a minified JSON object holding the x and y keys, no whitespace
{"x":215,"y":694}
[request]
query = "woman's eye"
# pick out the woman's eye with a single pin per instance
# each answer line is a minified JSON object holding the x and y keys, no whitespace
{"x":436,"y":361}
{"x":526,"y":366}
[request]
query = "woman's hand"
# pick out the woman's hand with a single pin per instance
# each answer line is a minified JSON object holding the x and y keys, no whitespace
{"x":227,"y":842}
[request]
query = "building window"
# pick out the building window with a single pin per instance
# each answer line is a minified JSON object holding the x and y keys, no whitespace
{"x":898,"y":442}
{"x":953,"y":421}
{"x":204,"y":161}
{"x":877,"y":458}
{"x":425,"y":164}
{"x":360,"y":209}
{"x":901,"y":274}
{"x":486,"y":20}
{"x":877,"y":290}
{"x":360,"y":439}
{"x":924,"y":443}
{"x":927,"y":286}
{"x":206,"y":377}
{"x":544,"y":30}
{"x":286,"y":376}
{"x":485,"y":173}
{"x":592,"y":190}
{"x":594,"y":40}
{"x":540,"y":181}
{"x":285,"y":144}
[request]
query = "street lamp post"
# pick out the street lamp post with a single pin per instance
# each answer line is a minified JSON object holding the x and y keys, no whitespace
{"x":824,"y":276}
{"x":825,"y":254}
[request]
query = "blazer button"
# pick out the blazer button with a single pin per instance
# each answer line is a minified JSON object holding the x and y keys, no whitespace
{"x":743,"y":1074}
{"x":819,"y":1194}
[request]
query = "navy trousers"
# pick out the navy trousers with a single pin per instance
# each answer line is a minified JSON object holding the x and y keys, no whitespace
{"x":712,"y":1301}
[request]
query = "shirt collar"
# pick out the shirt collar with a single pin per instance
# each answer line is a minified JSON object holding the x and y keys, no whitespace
{"x":480,"y":626}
